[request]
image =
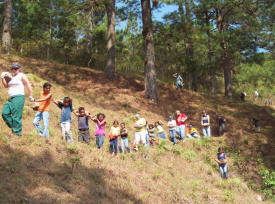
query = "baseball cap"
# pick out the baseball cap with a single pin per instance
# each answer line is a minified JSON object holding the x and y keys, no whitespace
{"x":137,"y":115}
{"x":170,"y":117}
{"x":15,"y":66}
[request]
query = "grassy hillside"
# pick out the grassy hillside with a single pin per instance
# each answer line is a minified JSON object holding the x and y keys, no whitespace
{"x":33,"y":170}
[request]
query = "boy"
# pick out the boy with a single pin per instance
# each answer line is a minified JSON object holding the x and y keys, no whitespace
{"x":172,"y":129}
{"x":43,"y":111}
{"x":65,"y":120}
{"x":192,"y":132}
{"x":222,"y":122}
{"x":83,"y":125}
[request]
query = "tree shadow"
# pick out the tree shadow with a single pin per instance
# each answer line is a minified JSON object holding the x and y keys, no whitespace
{"x":27,"y":178}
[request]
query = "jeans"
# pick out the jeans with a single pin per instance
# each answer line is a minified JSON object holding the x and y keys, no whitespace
{"x":161,"y":135}
{"x":193,"y":135}
{"x":99,"y":140}
{"x":36,"y":122}
{"x":124,"y":144}
{"x":221,"y":129}
{"x":147,"y":140}
{"x":206,"y":131}
{"x":12,"y":113}
{"x":66,"y":132}
{"x":172,"y":134}
{"x":113,"y":145}
{"x":223,"y":170}
{"x":181,"y":131}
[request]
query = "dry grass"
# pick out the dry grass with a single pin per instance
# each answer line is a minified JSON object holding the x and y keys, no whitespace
{"x":34,"y":171}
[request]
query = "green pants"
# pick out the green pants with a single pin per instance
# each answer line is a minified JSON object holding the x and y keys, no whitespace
{"x":12,"y":113}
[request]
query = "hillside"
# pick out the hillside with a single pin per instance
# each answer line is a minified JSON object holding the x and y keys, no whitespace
{"x":35,"y":171}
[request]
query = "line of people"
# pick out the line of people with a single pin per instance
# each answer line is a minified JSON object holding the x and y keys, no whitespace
{"x":144,"y":132}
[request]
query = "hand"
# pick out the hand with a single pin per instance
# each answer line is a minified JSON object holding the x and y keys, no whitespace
{"x":31,"y":99}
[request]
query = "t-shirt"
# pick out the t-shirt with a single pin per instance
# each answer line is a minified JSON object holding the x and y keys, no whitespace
{"x":191,"y":130}
{"x":16,"y":86}
{"x":65,"y":113}
{"x":172,"y":123}
{"x":159,"y":129}
{"x":179,"y":119}
{"x":151,"y":132}
{"x":99,"y":129}
{"x":141,"y":124}
{"x":44,"y":106}
{"x":221,"y":157}
{"x":115,"y":131}
{"x":83,"y":122}
{"x":221,"y":121}
{"x":123,"y":133}
{"x":205,"y":119}
{"x":179,"y":80}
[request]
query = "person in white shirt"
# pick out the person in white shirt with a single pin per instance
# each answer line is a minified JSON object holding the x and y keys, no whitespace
{"x":13,"y":109}
{"x":172,"y":125}
{"x":160,"y":131}
{"x":140,"y":134}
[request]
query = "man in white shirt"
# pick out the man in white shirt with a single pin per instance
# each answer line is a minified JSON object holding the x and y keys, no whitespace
{"x":172,"y":129}
{"x":140,"y":134}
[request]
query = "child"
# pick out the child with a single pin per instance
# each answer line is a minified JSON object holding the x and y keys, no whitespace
{"x":172,"y":129}
{"x":99,"y":129}
{"x":222,"y":122}
{"x":124,"y":138}
{"x":83,"y":125}
{"x":42,"y":113}
{"x":205,"y":122}
{"x":113,"y":135}
{"x":192,"y":132}
{"x":65,"y":120}
{"x":151,"y":132}
{"x":222,"y":162}
{"x":160,"y":130}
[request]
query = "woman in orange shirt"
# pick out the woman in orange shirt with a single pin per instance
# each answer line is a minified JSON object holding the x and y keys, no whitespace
{"x":43,"y":111}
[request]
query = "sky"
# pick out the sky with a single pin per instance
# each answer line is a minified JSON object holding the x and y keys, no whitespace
{"x":157,"y":14}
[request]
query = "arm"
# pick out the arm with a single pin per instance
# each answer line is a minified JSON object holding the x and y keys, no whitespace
{"x":184,"y":119}
{"x":43,"y":99}
{"x":27,"y":83}
{"x":216,"y":159}
{"x":76,"y":113}
{"x":5,"y":83}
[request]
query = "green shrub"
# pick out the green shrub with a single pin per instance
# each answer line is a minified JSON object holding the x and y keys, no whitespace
{"x":190,"y":155}
{"x":268,"y":177}
{"x":163,"y":145}
{"x":177,"y":150}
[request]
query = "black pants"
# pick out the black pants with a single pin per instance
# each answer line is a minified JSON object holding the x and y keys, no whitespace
{"x":84,"y":136}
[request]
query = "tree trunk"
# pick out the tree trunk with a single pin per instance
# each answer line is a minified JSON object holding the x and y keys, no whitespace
{"x":149,"y":62}
{"x":225,"y":61}
{"x":210,"y":55}
{"x":6,"y":37}
{"x":110,"y":67}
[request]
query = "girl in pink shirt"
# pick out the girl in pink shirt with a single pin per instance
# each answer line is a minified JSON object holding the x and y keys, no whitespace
{"x":99,"y":129}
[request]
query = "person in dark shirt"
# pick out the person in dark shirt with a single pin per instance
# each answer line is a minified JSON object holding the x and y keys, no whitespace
{"x":83,"y":126}
{"x":124,"y":138}
{"x":222,"y":124}
{"x":256,"y":124}
{"x":242,"y":96}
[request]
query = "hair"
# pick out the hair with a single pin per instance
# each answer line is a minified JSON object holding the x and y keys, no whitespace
{"x":122,"y":124}
{"x":159,"y":122}
{"x":115,"y":122}
{"x":99,"y":114}
{"x":151,"y":126}
{"x":81,"y":108}
{"x":47,"y":84}
{"x":67,"y":100}
{"x":220,"y":149}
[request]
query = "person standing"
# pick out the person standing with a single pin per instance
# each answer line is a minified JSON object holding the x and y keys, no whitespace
{"x":205,"y":122}
{"x":179,"y":81}
{"x":221,"y":122}
{"x":180,"y":119}
{"x":140,"y":134}
{"x":222,"y":162}
{"x":13,"y":108}
{"x":43,"y":111}
{"x":172,"y":125}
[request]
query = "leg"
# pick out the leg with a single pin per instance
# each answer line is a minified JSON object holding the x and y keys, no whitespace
{"x":6,"y":114}
{"x":126,"y":144}
{"x":220,"y":130}
{"x":18,"y":104}
{"x":46,"y":116}
{"x":111,"y":146}
{"x":204,"y":132}
{"x":221,"y":171}
{"x":225,"y":171}
{"x":101,"y":140}
{"x":143,"y":137}
{"x":97,"y":141}
{"x":178,"y":131}
{"x":122,"y":144}
{"x":87,"y":137}
{"x":116,"y":145}
{"x":173,"y":133}
{"x":80,"y":136}
{"x":208,"y":131}
{"x":182,"y":131}
{"x":36,"y":122}
{"x":63,"y":130}
{"x":147,"y":140}
{"x":68,"y":131}
{"x":137,"y":140}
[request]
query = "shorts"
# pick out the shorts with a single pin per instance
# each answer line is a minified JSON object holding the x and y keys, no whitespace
{"x":140,"y":136}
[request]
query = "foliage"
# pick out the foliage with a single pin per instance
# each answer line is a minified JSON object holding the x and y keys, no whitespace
{"x":268,"y":187}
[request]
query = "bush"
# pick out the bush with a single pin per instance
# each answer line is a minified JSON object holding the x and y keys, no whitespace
{"x":268,"y":177}
{"x":190,"y":155}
